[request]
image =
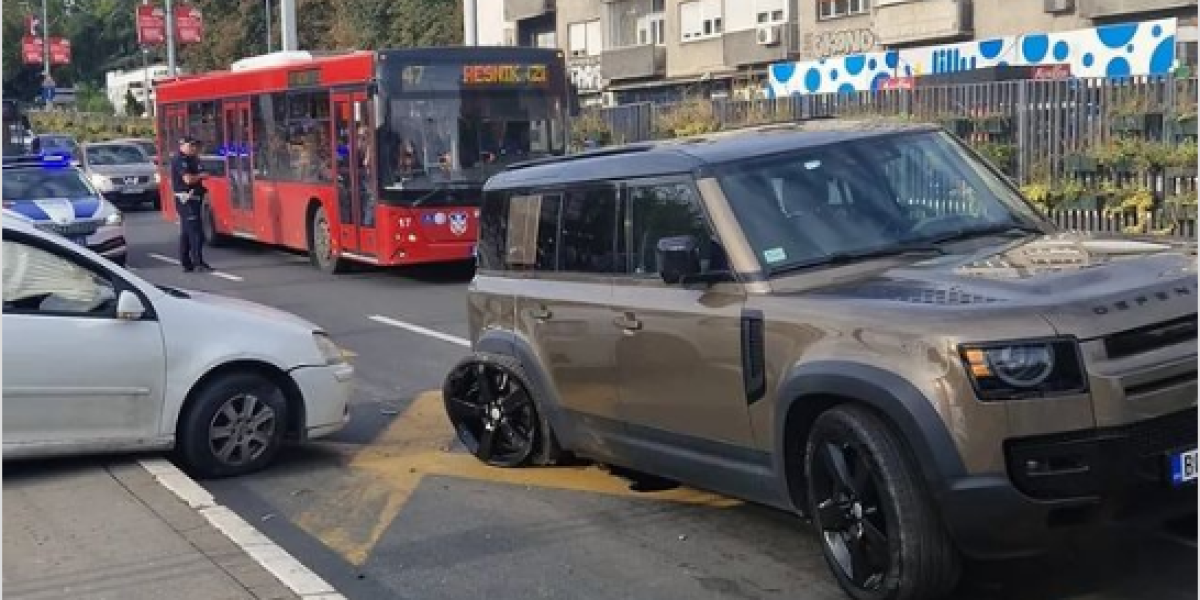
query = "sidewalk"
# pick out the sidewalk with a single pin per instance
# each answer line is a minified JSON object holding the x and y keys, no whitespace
{"x":111,"y":530}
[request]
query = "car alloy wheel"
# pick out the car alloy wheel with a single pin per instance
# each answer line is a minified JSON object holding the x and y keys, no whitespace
{"x":493,"y":414}
{"x":849,"y":514}
{"x":241,"y":430}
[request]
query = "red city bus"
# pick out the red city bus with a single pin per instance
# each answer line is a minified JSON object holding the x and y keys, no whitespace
{"x":373,"y":157}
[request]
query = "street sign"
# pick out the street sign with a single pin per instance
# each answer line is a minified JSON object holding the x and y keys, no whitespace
{"x":48,"y":94}
{"x":151,"y":25}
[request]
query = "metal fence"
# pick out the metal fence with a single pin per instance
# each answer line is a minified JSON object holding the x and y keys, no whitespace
{"x":1079,"y":130}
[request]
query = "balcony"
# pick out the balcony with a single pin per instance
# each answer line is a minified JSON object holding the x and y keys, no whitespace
{"x":519,"y":10}
{"x":1100,"y":9}
{"x":633,"y":62}
{"x":744,"y":48}
{"x":923,"y":20}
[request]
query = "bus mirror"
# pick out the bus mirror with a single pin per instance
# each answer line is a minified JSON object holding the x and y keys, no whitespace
{"x":358,"y":112}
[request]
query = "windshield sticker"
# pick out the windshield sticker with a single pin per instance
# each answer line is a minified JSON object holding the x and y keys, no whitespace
{"x":775,"y":255}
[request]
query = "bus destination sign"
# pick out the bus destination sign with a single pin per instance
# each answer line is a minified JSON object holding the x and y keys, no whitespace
{"x":479,"y":75}
{"x":306,"y":78}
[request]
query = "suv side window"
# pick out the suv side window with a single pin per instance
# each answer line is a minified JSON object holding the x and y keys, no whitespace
{"x":37,"y":281}
{"x":533,"y":232}
{"x":589,"y":231}
{"x":661,"y":211}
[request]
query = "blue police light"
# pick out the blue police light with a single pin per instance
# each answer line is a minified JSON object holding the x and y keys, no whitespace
{"x":56,"y":161}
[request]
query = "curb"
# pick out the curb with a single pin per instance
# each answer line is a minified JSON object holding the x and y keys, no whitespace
{"x":289,"y":571}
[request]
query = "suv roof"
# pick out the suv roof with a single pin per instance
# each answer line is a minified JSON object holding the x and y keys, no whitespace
{"x":683,"y":155}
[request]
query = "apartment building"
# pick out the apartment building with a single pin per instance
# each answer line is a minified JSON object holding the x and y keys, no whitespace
{"x":621,"y":51}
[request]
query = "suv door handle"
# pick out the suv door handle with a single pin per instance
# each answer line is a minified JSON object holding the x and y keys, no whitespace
{"x":540,"y":313}
{"x":628,"y":322}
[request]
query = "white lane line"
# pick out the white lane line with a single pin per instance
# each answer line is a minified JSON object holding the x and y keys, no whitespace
{"x":173,"y":261}
{"x":289,"y":571}
{"x":445,"y":337}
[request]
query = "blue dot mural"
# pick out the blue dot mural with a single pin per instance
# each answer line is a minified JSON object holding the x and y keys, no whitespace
{"x":872,"y":65}
{"x":990,"y":49}
{"x":1061,"y":50}
{"x":833,"y":75}
{"x":854,"y":64}
{"x":1034,"y":47}
{"x":892,"y":59}
{"x":1089,"y":60}
{"x":783,"y":71}
{"x":1164,"y":56}
{"x":1115,"y":36}
{"x":812,"y":80}
{"x":1118,"y":67}
{"x":1157,"y":31}
{"x":846,"y":88}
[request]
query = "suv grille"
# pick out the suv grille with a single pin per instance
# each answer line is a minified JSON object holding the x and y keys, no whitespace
{"x":77,"y":228}
{"x":1151,"y":337}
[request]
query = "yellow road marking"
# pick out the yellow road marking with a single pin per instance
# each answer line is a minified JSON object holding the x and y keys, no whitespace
{"x":351,"y":519}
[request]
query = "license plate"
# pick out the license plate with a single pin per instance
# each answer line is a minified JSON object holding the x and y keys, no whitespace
{"x":1183,"y":467}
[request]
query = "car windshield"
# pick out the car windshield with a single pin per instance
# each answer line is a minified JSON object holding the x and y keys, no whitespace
{"x":35,"y":184}
{"x":115,"y":155}
{"x":868,"y":197}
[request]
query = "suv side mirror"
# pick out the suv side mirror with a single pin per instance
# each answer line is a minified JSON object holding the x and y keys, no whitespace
{"x":129,"y":306}
{"x":678,"y":258}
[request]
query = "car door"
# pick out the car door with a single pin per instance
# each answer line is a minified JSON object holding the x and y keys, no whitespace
{"x":74,"y":373}
{"x":679,"y":359}
{"x":566,"y":242}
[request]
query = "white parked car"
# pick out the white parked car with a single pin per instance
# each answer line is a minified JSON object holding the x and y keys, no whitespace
{"x":98,"y":360}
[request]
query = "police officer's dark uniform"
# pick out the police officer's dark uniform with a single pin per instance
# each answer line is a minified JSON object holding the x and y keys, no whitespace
{"x":189,"y":199}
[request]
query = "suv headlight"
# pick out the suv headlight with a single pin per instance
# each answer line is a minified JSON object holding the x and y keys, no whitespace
{"x":1023,"y":369}
{"x":332,"y":353}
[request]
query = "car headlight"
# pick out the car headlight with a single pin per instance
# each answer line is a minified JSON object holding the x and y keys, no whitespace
{"x":114,"y":218}
{"x":103,"y":183}
{"x":1024,"y":369}
{"x":332,"y":353}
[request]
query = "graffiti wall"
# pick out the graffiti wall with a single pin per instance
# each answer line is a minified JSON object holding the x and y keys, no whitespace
{"x":1120,"y":50}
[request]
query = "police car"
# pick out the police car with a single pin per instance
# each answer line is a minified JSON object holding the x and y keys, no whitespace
{"x":54,"y":196}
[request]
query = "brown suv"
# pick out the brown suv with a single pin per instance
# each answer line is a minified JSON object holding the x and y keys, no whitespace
{"x":864,"y":324}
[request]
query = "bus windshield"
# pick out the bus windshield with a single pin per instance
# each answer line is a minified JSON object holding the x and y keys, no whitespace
{"x":448,"y":124}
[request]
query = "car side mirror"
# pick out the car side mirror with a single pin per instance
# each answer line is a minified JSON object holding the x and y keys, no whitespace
{"x":678,"y":258}
{"x":129,"y":306}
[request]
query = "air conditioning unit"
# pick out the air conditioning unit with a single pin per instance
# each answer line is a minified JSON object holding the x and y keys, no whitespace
{"x":1059,"y":6}
{"x":769,"y":35}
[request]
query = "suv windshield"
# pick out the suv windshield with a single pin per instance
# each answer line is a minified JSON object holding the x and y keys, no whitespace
{"x":868,"y":198}
{"x":115,"y":155}
{"x":37,"y":184}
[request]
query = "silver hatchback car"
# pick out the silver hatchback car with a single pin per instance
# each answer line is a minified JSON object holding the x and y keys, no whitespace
{"x":122,"y":171}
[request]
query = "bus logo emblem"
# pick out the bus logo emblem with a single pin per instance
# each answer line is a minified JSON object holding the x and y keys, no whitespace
{"x":458,"y":223}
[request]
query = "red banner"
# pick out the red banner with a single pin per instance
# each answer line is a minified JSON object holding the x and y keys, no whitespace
{"x":151,"y":25}
{"x":60,"y":51}
{"x":189,"y":24}
{"x":31,"y":50}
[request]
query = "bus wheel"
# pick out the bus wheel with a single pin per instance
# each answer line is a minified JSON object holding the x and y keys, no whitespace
{"x":320,"y":244}
{"x":208,"y":223}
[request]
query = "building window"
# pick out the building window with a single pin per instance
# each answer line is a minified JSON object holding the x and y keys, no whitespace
{"x":833,"y":9}
{"x":651,"y":30}
{"x":769,"y":11}
{"x":636,"y":23}
{"x":585,"y":38}
{"x":700,"y":19}
{"x":545,"y":39}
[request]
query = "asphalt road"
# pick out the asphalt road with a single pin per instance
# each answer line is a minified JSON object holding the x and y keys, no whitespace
{"x":392,"y":508}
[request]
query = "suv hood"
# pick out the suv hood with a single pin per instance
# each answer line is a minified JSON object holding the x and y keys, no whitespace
{"x":141,"y":169}
{"x":1084,"y":285}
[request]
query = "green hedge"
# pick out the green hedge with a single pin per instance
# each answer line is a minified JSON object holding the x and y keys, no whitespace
{"x":91,"y":127}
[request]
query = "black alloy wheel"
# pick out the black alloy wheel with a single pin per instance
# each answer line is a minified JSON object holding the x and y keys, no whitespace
{"x":493,"y":413}
{"x":853,"y":524}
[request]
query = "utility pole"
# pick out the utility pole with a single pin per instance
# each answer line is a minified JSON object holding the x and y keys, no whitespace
{"x":287,"y":25}
{"x":45,"y":41}
{"x":268,"y":13}
{"x":170,"y":40}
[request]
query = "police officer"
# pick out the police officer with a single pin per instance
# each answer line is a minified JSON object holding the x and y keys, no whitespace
{"x":189,"y":200}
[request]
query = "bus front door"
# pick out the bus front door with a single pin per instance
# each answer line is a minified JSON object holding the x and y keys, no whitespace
{"x":354,"y":124}
{"x":239,"y":167}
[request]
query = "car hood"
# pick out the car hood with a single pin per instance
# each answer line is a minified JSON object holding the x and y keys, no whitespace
{"x":57,"y":210}
{"x":141,"y":169}
{"x":227,"y":304}
{"x":1083,"y":285}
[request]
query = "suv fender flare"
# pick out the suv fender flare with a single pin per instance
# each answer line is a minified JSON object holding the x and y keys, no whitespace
{"x":905,"y":406}
{"x":508,"y":343}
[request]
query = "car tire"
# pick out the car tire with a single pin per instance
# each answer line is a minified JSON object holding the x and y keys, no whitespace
{"x":514,"y":417}
{"x":320,"y":244}
{"x":876,"y":523}
{"x":234,"y":425}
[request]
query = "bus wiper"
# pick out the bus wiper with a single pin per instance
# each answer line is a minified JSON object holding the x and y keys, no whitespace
{"x":1010,"y":229}
{"x":841,"y":258}
{"x":436,"y":190}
